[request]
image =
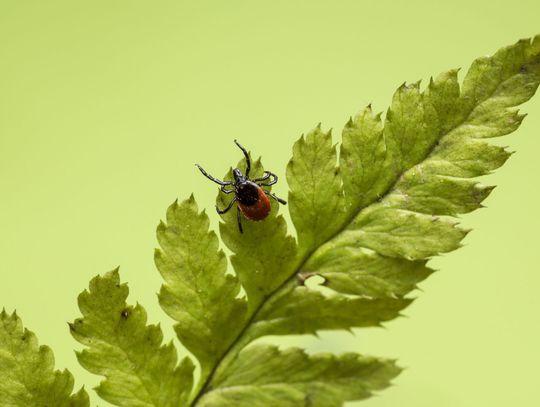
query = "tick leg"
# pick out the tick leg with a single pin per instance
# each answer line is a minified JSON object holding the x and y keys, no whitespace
{"x":281,"y":201}
{"x":263,"y":178}
{"x":227,"y":191}
{"x":222,"y":211}
{"x":248,"y":161}
{"x":267,"y":184}
{"x":239,"y":219}
{"x":217,"y":181}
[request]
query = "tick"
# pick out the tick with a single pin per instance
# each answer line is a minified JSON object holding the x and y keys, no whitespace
{"x":252,"y":201}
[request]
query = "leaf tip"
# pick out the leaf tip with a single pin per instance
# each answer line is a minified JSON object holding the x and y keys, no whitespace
{"x":114,"y":274}
{"x":466,"y":231}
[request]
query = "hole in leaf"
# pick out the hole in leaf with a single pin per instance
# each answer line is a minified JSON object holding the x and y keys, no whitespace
{"x":314,"y":281}
{"x":311,"y":280}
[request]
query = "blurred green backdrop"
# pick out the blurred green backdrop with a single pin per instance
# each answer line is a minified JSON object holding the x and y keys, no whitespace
{"x":106,"y":105}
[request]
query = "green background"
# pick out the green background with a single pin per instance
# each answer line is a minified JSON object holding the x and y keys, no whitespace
{"x":106,"y":105}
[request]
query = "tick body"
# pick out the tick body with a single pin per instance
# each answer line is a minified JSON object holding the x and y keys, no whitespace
{"x":251,"y":199}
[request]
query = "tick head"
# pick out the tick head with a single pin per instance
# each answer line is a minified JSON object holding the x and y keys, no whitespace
{"x":238,"y":176}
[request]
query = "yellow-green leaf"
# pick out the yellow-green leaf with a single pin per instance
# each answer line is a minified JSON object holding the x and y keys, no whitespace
{"x":264,"y":376}
{"x":27,"y":375}
{"x":139,"y":370}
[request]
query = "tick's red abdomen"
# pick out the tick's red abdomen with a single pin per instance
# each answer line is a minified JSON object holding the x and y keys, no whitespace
{"x":259,"y":210}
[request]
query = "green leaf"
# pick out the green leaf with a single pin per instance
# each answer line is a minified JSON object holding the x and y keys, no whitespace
{"x":266,"y":376}
{"x":411,"y":219}
{"x":197,"y":293}
{"x":362,"y":160}
{"x":139,"y":371}
{"x":302,"y":310}
{"x":369,"y":226}
{"x":359,"y":271}
{"x":316,"y":196}
{"x":401,"y":233}
{"x":27,"y":375}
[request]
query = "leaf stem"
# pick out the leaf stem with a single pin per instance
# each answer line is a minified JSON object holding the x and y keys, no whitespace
{"x":238,"y":342}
